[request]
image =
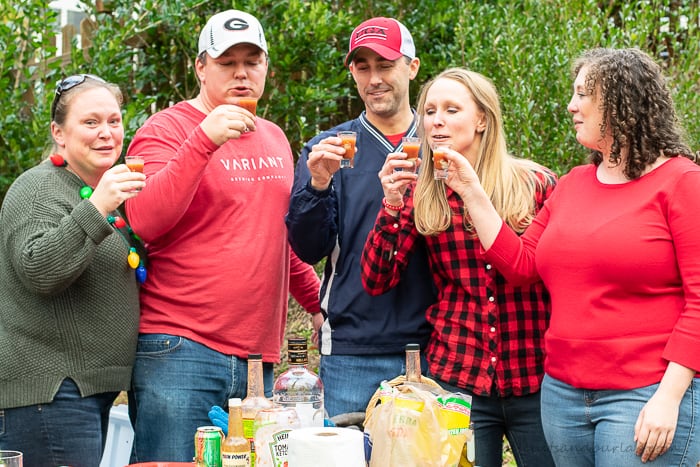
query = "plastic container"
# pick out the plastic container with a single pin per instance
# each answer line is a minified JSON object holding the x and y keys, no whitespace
{"x":120,"y":436}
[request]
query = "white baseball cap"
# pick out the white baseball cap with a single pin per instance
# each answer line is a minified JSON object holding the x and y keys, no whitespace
{"x":229,"y":28}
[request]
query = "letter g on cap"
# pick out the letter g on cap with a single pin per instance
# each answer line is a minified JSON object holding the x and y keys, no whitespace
{"x":236,"y":24}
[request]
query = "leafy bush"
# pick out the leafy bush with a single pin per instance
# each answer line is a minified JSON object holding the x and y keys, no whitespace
{"x":525,"y":46}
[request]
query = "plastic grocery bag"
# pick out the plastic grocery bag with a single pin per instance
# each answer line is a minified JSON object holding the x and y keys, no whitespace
{"x":415,"y":427}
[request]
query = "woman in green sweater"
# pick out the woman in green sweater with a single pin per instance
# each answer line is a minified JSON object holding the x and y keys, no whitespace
{"x":69,"y":272}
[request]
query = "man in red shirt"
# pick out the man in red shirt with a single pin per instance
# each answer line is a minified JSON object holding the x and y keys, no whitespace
{"x":220,"y":268}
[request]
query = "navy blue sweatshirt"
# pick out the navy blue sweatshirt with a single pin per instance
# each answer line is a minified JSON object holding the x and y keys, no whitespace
{"x":334,"y":224}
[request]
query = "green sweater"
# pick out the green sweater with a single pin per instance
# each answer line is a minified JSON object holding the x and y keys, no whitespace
{"x":68,"y":298}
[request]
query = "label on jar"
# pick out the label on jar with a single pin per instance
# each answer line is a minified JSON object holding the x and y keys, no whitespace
{"x":235,"y":459}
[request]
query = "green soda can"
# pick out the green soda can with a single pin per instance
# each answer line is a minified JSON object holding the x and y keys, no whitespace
{"x":207,"y":446}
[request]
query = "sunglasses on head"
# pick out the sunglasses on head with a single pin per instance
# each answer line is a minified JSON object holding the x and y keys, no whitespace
{"x":69,"y":83}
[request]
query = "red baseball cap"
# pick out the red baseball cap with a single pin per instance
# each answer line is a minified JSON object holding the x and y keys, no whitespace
{"x":386,"y":36}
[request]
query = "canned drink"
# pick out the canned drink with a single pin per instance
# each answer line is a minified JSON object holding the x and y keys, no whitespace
{"x":207,"y":446}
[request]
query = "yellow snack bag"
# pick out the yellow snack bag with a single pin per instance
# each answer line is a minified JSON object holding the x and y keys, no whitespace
{"x":410,"y":429}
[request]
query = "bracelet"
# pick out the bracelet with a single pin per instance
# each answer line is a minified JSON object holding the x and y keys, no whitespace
{"x":391,"y":207}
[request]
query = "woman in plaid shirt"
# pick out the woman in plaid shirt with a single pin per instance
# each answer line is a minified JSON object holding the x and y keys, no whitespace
{"x":488,"y":334}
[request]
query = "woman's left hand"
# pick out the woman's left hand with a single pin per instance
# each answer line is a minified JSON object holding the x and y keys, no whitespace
{"x":655,"y":427}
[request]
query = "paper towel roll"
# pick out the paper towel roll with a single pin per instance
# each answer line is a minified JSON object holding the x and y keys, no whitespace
{"x":327,"y":447}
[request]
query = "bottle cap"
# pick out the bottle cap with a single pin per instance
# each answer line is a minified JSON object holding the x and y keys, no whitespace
{"x":296,"y":345}
{"x":234,"y":402}
{"x":412,"y":347}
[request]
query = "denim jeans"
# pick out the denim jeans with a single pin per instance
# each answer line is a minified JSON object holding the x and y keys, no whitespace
{"x":349,"y":381}
{"x":516,"y":417}
{"x":596,"y":428}
{"x":70,"y":430}
{"x":175,"y":383}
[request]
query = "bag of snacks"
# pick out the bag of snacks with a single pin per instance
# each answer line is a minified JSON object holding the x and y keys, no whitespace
{"x":417,"y":425}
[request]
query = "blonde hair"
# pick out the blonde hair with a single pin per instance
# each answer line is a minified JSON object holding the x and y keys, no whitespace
{"x":510,"y":182}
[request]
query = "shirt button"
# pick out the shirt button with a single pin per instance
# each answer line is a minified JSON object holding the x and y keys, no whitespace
{"x":395,"y":252}
{"x":493,"y":359}
{"x":492,"y":299}
{"x":493,"y":329}
{"x":396,"y":226}
{"x":488,"y":267}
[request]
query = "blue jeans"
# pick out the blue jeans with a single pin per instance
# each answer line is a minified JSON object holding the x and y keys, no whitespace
{"x":175,"y":383}
{"x":516,"y":417}
{"x":349,"y":381}
{"x":70,"y":430}
{"x":596,"y":428}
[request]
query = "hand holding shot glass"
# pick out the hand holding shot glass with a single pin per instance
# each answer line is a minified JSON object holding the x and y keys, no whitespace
{"x":348,"y":142}
{"x":440,"y":164}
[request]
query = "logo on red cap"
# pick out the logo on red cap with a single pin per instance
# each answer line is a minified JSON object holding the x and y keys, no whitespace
{"x":370,"y":32}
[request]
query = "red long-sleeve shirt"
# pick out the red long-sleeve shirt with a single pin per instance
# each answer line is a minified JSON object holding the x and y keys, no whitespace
{"x":622,"y":263}
{"x":488,"y":335}
{"x":220,"y":268}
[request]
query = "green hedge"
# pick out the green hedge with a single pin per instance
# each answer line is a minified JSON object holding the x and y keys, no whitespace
{"x":525,"y":46}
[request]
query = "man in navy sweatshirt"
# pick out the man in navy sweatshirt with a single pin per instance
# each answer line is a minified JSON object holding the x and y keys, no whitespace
{"x":361,"y":338}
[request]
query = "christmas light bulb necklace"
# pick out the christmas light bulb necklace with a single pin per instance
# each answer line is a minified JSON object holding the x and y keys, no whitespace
{"x":117,"y":222}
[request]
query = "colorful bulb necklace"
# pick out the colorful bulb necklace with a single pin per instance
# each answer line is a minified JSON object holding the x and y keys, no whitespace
{"x":117,"y":222}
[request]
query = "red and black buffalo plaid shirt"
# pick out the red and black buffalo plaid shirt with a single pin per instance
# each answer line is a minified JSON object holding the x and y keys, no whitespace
{"x":488,"y":335}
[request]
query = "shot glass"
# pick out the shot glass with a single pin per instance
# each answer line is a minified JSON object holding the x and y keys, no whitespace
{"x":248,"y":103}
{"x":135,"y":163}
{"x":440,"y":164}
{"x":11,"y":458}
{"x":348,"y":141}
{"x":411,"y":146}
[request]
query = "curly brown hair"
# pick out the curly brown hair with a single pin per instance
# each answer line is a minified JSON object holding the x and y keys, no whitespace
{"x":638,"y":110}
